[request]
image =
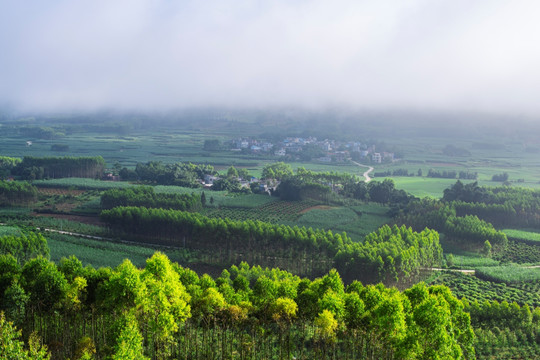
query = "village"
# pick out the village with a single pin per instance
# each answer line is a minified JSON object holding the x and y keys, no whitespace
{"x":310,"y":148}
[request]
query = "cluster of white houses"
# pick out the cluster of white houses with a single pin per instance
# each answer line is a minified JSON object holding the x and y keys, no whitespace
{"x":336,"y":151}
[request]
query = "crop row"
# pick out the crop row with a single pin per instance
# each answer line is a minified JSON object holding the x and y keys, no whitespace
{"x":519,"y":253}
{"x":533,"y":237}
{"x":81,"y":183}
{"x":473,"y":288}
{"x":274,"y":212}
{"x":509,"y":274}
{"x":60,"y":191}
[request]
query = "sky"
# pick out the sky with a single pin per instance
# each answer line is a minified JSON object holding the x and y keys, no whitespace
{"x":480,"y":55}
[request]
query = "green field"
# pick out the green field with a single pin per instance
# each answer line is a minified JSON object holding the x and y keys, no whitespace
{"x":423,"y":186}
{"x":472,"y":261}
{"x":356,"y":221}
{"x":509,"y":274}
{"x":81,"y":183}
{"x":522,"y":235}
{"x":104,"y":253}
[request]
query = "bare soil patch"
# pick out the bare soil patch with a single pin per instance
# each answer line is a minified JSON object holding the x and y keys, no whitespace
{"x":320,"y":207}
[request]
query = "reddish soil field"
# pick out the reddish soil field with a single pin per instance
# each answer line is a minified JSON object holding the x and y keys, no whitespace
{"x":57,"y":191}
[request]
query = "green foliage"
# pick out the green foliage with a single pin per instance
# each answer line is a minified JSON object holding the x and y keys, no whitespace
{"x":165,"y":311}
{"x":11,"y":348}
{"x":500,"y":177}
{"x":6,"y":165}
{"x":278,"y":171}
{"x":45,"y":284}
{"x":296,"y":188}
{"x":502,"y":206}
{"x":17,"y":193}
{"x":147,"y":197}
{"x":180,"y":174}
{"x":505,"y":330}
{"x":60,"y":147}
{"x":212,"y":145}
{"x":486,"y":250}
{"x":468,"y":230}
{"x":129,"y":343}
{"x":389,"y":253}
{"x":35,"y":168}
{"x":385,"y":255}
{"x":25,"y":246}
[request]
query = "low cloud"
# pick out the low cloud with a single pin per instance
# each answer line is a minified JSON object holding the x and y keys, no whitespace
{"x":144,"y":54}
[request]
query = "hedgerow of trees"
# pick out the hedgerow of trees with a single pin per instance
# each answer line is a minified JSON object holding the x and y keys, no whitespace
{"x":502,"y":205}
{"x":181,"y":174}
{"x":6,"y":165}
{"x":468,"y":230}
{"x":389,"y":254}
{"x":17,"y":193}
{"x":35,"y":168}
{"x":146,"y":196}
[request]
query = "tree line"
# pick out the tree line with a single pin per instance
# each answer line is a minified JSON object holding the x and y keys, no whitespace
{"x":501,"y":205}
{"x":468,"y":230}
{"x":35,"y":168}
{"x":165,"y":311}
{"x":390,"y":254}
{"x":6,"y":165}
{"x":146,"y":196}
{"x":180,"y":174}
{"x":505,"y":331}
{"x":17,"y":193}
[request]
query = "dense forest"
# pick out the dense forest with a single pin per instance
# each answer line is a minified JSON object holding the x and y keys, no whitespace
{"x":502,"y":205}
{"x":167,"y":311}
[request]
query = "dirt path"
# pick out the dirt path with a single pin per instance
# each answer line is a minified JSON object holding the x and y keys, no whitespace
{"x":366,"y":174}
{"x":471,"y":272}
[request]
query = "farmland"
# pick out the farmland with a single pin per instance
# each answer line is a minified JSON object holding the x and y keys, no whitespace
{"x":100,"y":253}
{"x":270,"y":211}
{"x":472,"y":288}
{"x":528,"y":236}
{"x":509,"y":274}
{"x":73,"y":204}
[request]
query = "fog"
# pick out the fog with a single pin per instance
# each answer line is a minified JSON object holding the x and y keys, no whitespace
{"x":144,"y":54}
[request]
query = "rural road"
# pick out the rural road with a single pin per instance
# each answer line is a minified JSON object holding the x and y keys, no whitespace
{"x":366,"y":174}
